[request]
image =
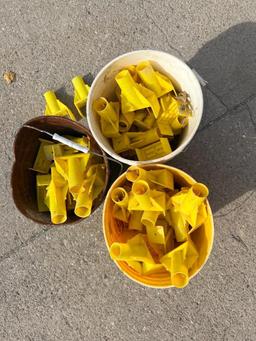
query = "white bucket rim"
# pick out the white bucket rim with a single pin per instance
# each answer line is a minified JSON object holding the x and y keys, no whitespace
{"x":180,"y":148}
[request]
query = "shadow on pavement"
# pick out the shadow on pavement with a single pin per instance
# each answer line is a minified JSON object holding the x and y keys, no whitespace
{"x":223,"y":155}
{"x":228,"y":63}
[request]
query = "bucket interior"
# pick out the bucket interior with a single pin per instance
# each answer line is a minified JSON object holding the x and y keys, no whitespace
{"x":180,"y":74}
{"x":113,"y":232}
{"x":24,"y":178}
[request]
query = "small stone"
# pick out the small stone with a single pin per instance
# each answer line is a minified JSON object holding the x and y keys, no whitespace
{"x":9,"y":77}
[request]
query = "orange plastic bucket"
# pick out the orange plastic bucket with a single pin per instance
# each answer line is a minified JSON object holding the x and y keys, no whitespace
{"x":202,"y":237}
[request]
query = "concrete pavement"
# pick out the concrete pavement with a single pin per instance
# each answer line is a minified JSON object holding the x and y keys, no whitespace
{"x":59,"y":283}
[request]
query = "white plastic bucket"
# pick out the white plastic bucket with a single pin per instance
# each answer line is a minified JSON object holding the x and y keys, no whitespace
{"x":180,"y":74}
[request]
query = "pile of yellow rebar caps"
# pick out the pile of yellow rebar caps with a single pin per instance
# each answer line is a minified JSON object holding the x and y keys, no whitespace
{"x":67,"y":179}
{"x":158,"y":220}
{"x":146,"y":115}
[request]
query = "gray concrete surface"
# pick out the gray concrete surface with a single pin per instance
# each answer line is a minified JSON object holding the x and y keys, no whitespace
{"x":59,"y":283}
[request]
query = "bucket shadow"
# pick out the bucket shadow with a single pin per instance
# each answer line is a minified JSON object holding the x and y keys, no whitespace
{"x":223,"y":155}
{"x":88,"y":78}
{"x":228,"y":63}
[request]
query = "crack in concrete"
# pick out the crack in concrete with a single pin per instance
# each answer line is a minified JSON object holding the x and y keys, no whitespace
{"x":250,"y":114}
{"x":230,"y":112}
{"x":217,"y":96}
{"x":236,"y":207}
{"x":213,"y":121}
{"x":16,"y":249}
{"x":150,"y":17}
{"x":239,"y":240}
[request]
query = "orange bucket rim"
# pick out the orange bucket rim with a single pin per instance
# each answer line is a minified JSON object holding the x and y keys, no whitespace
{"x":189,"y":179}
